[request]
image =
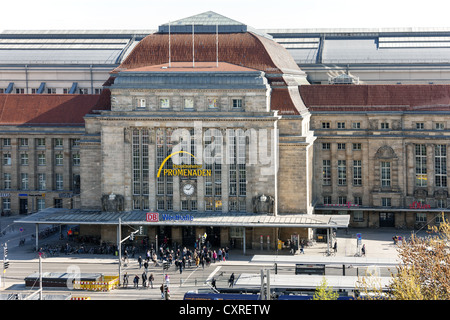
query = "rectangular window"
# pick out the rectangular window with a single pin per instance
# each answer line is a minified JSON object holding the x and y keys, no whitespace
{"x":357,"y":173}
{"x":358,"y":216}
{"x":184,"y":205}
{"x":358,"y":201}
{"x":439,"y":126}
{"x":440,"y":165}
{"x":40,"y":204}
{"x":326,"y":146}
{"x":326,"y":172}
{"x":356,"y":146}
{"x":356,"y":125}
{"x":194,"y":205}
{"x":7,"y":181}
{"x":40,"y":142}
{"x":327,"y":200}
{"x":59,"y":159}
{"x":41,"y":159}
{"x":385,"y":125}
{"x":76,"y":159}
{"x":342,"y":172}
{"x":341,"y":146}
{"x":237,"y":103}
{"x":24,"y":159}
{"x":6,"y":159}
{"x":58,"y":142}
{"x":160,"y":205}
{"x":421,"y":217}
{"x":342,"y":200}
{"x":385,"y":174}
{"x":6,"y":204}
{"x":420,"y":125}
{"x":41,"y":181}
{"x":386,"y":202}
{"x":325,"y":125}
{"x":421,"y":165}
{"x":24,"y":181}
{"x":6,"y":142}
{"x":23,"y":142}
{"x":341,"y":125}
{"x":59,"y":182}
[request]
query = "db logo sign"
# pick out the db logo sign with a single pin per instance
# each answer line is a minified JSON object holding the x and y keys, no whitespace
{"x":152,"y":216}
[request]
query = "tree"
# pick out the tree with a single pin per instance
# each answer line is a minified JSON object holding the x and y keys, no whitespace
{"x":323,"y":292}
{"x":424,"y":273}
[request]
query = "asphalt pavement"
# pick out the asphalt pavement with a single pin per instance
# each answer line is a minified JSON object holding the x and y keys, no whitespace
{"x":379,"y":245}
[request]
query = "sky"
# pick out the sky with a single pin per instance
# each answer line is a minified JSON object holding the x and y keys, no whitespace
{"x":259,"y":14}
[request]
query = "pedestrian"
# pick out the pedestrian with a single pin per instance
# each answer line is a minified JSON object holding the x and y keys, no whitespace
{"x":302,"y":248}
{"x":226,"y":253}
{"x":146,"y":266}
{"x":231,"y":280}
{"x":162,"y":291}
{"x":136,"y":281}
{"x":363,"y":250}
{"x":219,"y":254}
{"x":144,"y":280}
{"x":181,"y":267}
{"x":140,"y":262}
{"x":151,"y":279}
{"x":335,"y":247}
{"x":125,"y":280}
{"x":214,"y":256}
{"x":213,"y":283}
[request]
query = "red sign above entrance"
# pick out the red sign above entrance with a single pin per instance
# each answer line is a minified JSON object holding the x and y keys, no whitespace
{"x":152,"y":216}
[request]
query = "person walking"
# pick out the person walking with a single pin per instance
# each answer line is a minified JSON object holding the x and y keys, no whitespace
{"x":335,"y":247}
{"x":213,"y":283}
{"x":125,"y":280}
{"x":151,"y":279}
{"x":140,"y":262}
{"x":144,"y":280}
{"x":363,"y":250}
{"x":231,"y":280}
{"x":162,"y":291}
{"x":136,"y":281}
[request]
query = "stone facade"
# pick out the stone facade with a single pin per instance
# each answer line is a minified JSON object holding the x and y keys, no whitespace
{"x":406,"y":143}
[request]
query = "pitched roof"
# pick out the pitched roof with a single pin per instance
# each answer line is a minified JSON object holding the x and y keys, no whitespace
{"x":49,"y":109}
{"x":376,"y":97}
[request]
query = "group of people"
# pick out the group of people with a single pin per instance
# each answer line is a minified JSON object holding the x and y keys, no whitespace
{"x":147,"y":281}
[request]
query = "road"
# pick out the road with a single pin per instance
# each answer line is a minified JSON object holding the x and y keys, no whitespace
{"x":24,"y":261}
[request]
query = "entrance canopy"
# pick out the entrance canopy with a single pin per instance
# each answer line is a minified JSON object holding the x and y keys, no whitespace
{"x":183,"y":219}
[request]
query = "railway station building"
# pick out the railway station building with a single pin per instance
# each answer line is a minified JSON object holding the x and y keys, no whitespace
{"x":208,"y":126}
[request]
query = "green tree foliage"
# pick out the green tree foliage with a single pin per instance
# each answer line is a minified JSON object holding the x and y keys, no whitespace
{"x":323,"y":292}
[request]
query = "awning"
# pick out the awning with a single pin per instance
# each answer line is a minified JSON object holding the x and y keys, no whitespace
{"x":214,"y":219}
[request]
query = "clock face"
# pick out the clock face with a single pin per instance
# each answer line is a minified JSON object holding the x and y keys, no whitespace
{"x":188,"y":189}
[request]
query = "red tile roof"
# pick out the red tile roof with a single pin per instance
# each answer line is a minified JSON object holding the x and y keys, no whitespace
{"x":244,"y":49}
{"x":376,"y":97}
{"x":50,"y":109}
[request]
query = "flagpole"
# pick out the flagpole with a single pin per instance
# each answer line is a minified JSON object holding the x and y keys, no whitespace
{"x":217,"y":45}
{"x":193,"y":51}
{"x":169,"y":47}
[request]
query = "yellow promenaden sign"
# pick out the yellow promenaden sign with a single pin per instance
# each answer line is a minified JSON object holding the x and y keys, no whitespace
{"x":183,"y":170}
